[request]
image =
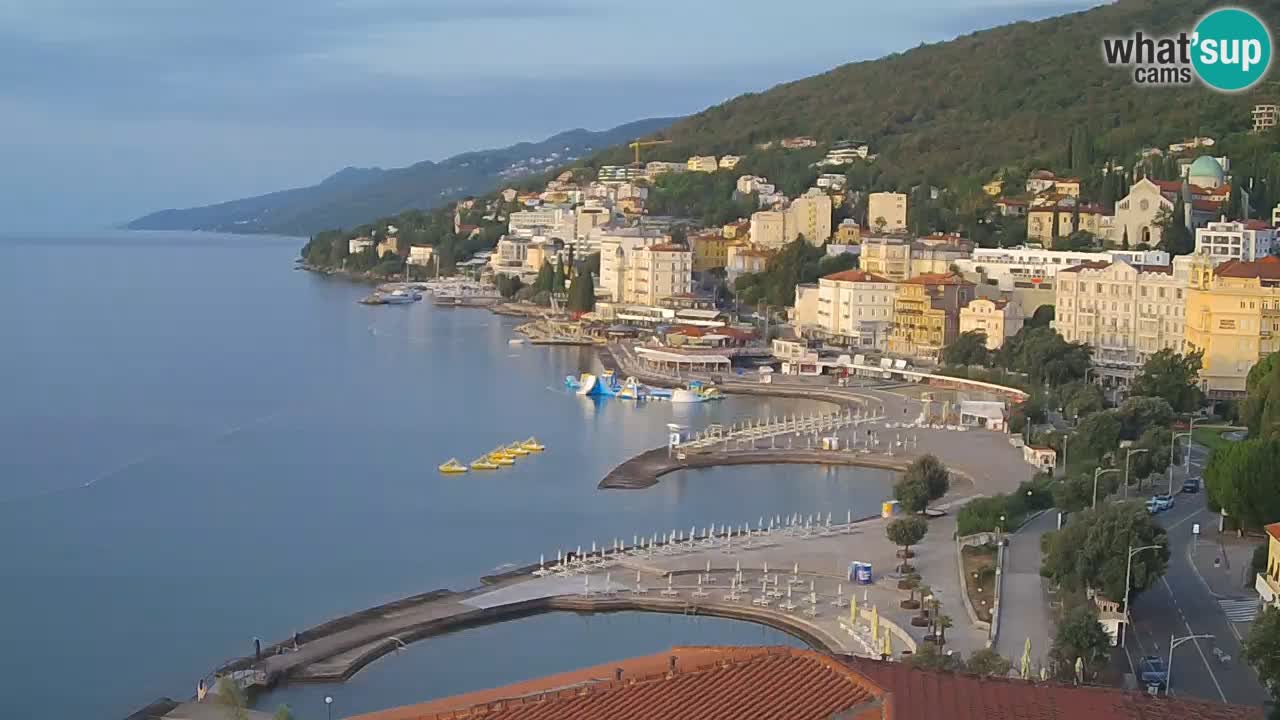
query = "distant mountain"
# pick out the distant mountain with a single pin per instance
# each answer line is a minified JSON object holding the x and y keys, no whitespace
{"x":355,"y":195}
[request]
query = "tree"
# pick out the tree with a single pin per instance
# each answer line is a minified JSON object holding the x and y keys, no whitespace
{"x":905,"y":532}
{"x":912,"y":494}
{"x":988,"y":663}
{"x":1241,"y":479}
{"x":1096,"y":435}
{"x":582,"y":294}
{"x":1080,"y":636}
{"x":1262,"y":649}
{"x":970,"y":348}
{"x":1079,"y":399}
{"x":1175,"y":238}
{"x":1042,"y":317}
{"x":929,"y":656}
{"x":1139,"y":413}
{"x":230,"y":696}
{"x":930,"y":470}
{"x":1171,"y":376}
{"x":283,"y":713}
{"x":1261,"y":411}
{"x":546,"y":277}
{"x":557,"y":278}
{"x":1088,"y":552}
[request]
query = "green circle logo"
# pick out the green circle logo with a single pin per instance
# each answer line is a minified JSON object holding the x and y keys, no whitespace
{"x":1231,"y":49}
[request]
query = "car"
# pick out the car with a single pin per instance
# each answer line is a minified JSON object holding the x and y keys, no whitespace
{"x":1163,"y":502}
{"x":1152,"y":672}
{"x":1192,"y":485}
{"x":1153,"y":507}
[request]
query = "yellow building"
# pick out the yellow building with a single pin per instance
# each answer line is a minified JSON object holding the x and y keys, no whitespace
{"x":887,"y":211}
{"x":998,"y":319}
{"x":1233,"y":317}
{"x":1268,"y":581}
{"x":740,"y":230}
{"x":743,"y":258}
{"x":703,"y":163}
{"x":926,"y":314}
{"x":994,"y":188}
{"x":1040,"y":222}
{"x":710,"y":250}
{"x":810,"y":216}
{"x":848,"y":233}
{"x":1067,"y":186}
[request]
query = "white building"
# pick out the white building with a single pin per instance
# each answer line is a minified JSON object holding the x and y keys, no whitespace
{"x":421,"y":255}
{"x":810,"y":216}
{"x":854,"y":308}
{"x":657,"y":168}
{"x":617,"y":246}
{"x":887,"y":211}
{"x":657,"y":272}
{"x":769,"y":228}
{"x":359,"y":245}
{"x":844,"y":153}
{"x":1126,"y":313}
{"x":831,"y":181}
{"x":510,"y":255}
{"x":555,"y":220}
{"x":748,"y":184}
{"x":619,"y":173}
{"x":1245,"y":241}
{"x":729,"y":162}
{"x":703,"y":163}
{"x":1023,"y":267}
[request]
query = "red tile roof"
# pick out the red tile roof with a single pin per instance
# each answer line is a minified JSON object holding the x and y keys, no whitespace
{"x":925,"y":695}
{"x":1274,"y":530}
{"x":1087,"y":265}
{"x":708,"y":684}
{"x":1258,"y":225}
{"x":855,"y":276}
{"x":938,"y":279}
{"x":1268,"y":268}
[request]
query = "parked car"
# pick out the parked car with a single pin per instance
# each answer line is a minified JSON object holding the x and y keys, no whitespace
{"x":1152,"y":672}
{"x":1192,"y":485}
{"x":1153,"y":507}
{"x":1163,"y":502}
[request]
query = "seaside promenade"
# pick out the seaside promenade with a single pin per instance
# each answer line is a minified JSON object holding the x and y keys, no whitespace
{"x":789,"y":573}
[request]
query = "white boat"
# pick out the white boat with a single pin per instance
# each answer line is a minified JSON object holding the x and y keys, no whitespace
{"x":516,"y":341}
{"x":681,"y":395}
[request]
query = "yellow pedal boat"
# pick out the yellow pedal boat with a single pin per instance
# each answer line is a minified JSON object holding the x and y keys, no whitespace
{"x":483,"y":464}
{"x":532,"y":445}
{"x":452,"y":467}
{"x":501,"y":460}
{"x":515,"y":449}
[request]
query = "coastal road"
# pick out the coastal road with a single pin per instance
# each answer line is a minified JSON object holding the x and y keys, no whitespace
{"x":1024,"y":611}
{"x":1181,"y":604}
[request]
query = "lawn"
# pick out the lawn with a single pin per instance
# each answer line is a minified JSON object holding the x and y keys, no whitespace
{"x":1211,"y":437}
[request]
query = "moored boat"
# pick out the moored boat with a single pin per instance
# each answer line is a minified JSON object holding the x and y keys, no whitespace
{"x":532,"y":445}
{"x":483,"y":464}
{"x":452,"y":467}
{"x":516,"y":449}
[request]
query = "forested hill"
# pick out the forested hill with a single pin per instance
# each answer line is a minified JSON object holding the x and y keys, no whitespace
{"x":357,"y":195}
{"x":1011,"y":95}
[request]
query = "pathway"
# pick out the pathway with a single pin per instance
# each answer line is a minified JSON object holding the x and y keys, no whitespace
{"x":1024,"y":611}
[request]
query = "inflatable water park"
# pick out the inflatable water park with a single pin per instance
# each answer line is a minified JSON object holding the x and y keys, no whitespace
{"x":607,"y":385}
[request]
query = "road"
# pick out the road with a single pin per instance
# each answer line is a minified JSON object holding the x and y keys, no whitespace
{"x":1024,"y":611}
{"x":1181,"y":604}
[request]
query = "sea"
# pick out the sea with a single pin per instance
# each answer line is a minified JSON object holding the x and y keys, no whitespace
{"x":201,"y":445}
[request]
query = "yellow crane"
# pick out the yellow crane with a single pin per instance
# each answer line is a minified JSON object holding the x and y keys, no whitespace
{"x":645,"y":143}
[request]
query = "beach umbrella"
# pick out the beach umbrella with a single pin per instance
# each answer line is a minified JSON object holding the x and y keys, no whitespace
{"x":1079,"y":670}
{"x":887,"y":650}
{"x":1026,"y":660}
{"x":875,"y":622}
{"x":853,"y":613}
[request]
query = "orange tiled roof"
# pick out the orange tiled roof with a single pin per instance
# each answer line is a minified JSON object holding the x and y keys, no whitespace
{"x":1274,"y":530}
{"x":708,"y":684}
{"x":1268,"y":268}
{"x":1087,"y":265}
{"x":924,"y":695}
{"x":855,"y":276}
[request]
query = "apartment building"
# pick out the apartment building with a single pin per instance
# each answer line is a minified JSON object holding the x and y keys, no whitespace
{"x":898,"y":258}
{"x":1036,"y":268}
{"x":769,"y":228}
{"x":998,"y":319}
{"x":1265,"y":117}
{"x":729,"y":162}
{"x":619,"y":173}
{"x":657,"y":168}
{"x":1125,"y":312}
{"x":1233,"y":317}
{"x":703,"y":163}
{"x":926,"y":314}
{"x":809,"y":215}
{"x":421,"y":255}
{"x":743,"y":258}
{"x":854,"y":308}
{"x":617,"y":245}
{"x":887,"y":211}
{"x":1089,"y":218}
{"x":1245,"y":241}
{"x":657,"y":272}
{"x":710,"y":250}
{"x":555,"y":220}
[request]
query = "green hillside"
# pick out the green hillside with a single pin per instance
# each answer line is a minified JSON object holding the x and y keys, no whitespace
{"x":1009,"y":96}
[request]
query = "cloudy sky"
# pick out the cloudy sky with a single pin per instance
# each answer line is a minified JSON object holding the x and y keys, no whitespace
{"x":113,"y":108}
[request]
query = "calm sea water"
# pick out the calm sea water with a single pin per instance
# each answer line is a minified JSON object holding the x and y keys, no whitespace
{"x":199,"y":445}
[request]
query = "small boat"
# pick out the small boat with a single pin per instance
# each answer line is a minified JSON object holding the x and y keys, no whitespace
{"x":483,"y":464}
{"x":452,"y":467}
{"x":503,"y":460}
{"x":501,"y":452}
{"x":516,"y":449}
{"x":400,"y":297}
{"x":532,"y":445}
{"x":516,"y":341}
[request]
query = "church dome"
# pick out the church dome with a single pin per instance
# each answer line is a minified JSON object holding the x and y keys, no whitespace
{"x":1206,"y":172}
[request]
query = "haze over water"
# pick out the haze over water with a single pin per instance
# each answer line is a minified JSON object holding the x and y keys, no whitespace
{"x":199,"y":445}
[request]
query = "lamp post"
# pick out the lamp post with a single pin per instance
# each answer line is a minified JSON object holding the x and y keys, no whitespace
{"x":1097,"y":473}
{"x":1128,"y":571}
{"x":328,"y":706}
{"x":1168,"y":669}
{"x":1130,"y":454}
{"x":1191,"y":428}
{"x":1173,"y":443}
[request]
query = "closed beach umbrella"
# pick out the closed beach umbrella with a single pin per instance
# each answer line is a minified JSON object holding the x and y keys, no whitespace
{"x":1026,"y":660}
{"x":887,"y":650}
{"x":875,"y":622}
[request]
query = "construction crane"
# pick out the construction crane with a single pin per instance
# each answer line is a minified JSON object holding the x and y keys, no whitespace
{"x":645,"y":143}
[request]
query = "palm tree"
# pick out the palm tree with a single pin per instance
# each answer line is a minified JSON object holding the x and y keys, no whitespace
{"x":944,"y":622}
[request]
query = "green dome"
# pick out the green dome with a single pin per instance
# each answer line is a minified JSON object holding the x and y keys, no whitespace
{"x":1206,"y":172}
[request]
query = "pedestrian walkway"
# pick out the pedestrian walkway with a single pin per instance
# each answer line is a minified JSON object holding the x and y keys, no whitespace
{"x":1242,"y":609}
{"x":1024,"y":611}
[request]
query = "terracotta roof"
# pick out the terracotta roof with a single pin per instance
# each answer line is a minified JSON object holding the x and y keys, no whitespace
{"x":1010,"y":201}
{"x":1207,"y":205}
{"x":1268,"y":268}
{"x":925,"y":695}
{"x":708,"y":684}
{"x":1258,"y":225}
{"x":1274,"y":530}
{"x":855,"y":276}
{"x":1162,"y":269}
{"x":1084,"y":209}
{"x":1087,"y":265}
{"x":938,"y":279}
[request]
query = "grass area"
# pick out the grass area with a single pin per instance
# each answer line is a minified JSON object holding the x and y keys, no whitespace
{"x":980,"y":578}
{"x":1210,"y":437}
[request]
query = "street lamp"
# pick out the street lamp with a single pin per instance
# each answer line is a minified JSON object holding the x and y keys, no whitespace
{"x":1191,"y":428}
{"x":1173,"y":443}
{"x":1173,"y":643}
{"x":328,"y":705}
{"x":1097,"y":473}
{"x":1131,"y":453}
{"x":1128,"y":571}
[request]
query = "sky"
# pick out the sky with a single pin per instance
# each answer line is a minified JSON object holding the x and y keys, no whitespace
{"x":110,"y":109}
